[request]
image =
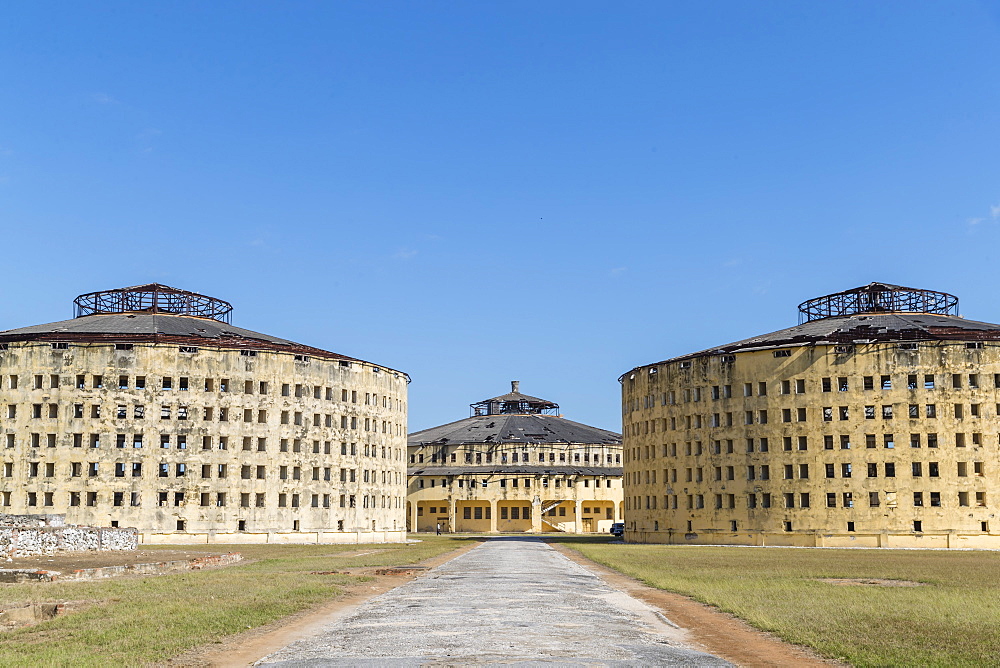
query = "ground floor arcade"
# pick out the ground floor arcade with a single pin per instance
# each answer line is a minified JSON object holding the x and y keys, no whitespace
{"x":513,"y":516}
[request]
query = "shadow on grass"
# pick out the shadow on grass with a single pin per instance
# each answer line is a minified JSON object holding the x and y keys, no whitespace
{"x":459,"y":537}
{"x":580,"y":539}
{"x":562,"y":538}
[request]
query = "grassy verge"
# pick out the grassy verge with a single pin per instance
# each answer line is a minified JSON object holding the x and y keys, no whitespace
{"x":135,"y":621}
{"x":953,"y":620}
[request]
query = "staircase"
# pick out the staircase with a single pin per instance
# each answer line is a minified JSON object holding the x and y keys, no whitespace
{"x":546,"y":509}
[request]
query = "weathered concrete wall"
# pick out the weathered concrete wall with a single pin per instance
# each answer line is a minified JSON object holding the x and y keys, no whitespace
{"x":797,"y":450}
{"x":176,"y":442}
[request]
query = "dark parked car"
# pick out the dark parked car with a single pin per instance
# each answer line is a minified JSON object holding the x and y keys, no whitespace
{"x":617,"y":529}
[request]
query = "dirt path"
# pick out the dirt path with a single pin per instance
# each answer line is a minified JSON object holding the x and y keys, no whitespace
{"x":246,"y":648}
{"x":512,"y":600}
{"x":717,"y":632}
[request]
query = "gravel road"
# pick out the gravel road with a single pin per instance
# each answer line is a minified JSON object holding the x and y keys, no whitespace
{"x":513,"y":601}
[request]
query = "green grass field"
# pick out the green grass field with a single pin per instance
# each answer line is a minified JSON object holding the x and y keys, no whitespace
{"x":138,"y":620}
{"x":953,"y":620}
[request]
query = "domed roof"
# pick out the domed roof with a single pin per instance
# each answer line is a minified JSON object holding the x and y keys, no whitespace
{"x":514,"y":429}
{"x":157,"y":313}
{"x":875,"y":313}
{"x":514,"y":418}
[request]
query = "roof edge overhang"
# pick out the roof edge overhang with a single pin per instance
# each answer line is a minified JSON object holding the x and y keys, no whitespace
{"x":874,"y":337}
{"x":222,"y":343}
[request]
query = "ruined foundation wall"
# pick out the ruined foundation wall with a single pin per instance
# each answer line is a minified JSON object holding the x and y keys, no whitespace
{"x":27,"y":542}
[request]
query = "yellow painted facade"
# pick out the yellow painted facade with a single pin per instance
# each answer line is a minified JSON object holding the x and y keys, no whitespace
{"x":886,"y":443}
{"x":512,"y":468}
{"x":507,"y":501}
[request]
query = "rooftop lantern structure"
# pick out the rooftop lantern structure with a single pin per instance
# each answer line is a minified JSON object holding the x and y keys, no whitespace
{"x":153,"y":298}
{"x":878,"y":298}
{"x":514,"y":403}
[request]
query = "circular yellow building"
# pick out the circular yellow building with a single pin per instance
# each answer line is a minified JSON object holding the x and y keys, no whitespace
{"x":515,"y":465}
{"x":874,"y":422}
{"x":150,"y":410}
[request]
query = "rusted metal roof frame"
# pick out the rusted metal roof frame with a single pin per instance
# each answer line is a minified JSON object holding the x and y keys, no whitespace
{"x":878,"y":298}
{"x":152,"y":298}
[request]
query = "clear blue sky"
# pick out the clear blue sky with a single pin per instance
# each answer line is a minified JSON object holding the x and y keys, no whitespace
{"x":474,"y":192}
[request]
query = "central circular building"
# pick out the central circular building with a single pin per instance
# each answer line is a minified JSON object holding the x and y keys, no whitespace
{"x":515,"y":465}
{"x":874,"y":422}
{"x":150,"y":410}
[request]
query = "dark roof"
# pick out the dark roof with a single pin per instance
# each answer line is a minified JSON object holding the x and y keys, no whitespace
{"x":610,"y":471}
{"x":858,"y":329}
{"x":158,"y":324}
{"x":160,"y":328}
{"x":159,"y":314}
{"x":514,"y":403}
{"x":514,"y":429}
{"x":517,"y":396}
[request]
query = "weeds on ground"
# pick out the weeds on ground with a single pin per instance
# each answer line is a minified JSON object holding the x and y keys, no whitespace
{"x":954,"y":619}
{"x":138,"y":620}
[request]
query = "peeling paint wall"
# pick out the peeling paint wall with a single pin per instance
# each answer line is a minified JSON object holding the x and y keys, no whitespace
{"x":202,"y":440}
{"x":788,"y":446}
